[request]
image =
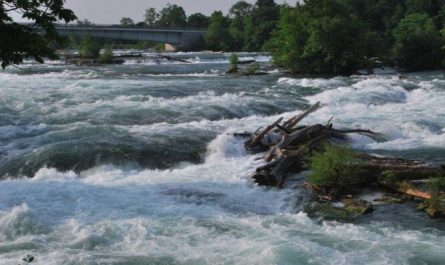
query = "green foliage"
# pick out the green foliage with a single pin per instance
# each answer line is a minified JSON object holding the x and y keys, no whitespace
{"x":233,"y":62}
{"x":106,"y":56}
{"x":417,"y":43}
{"x":84,"y":23}
{"x":343,"y":36}
{"x":198,"y":20}
{"x":389,"y":177}
{"x":334,"y":169}
{"x":239,"y":14}
{"x":22,"y":41}
{"x":151,"y":16}
{"x":326,"y":39}
{"x":260,"y":24}
{"x":217,"y":36}
{"x":252,"y":68}
{"x":159,"y":47}
{"x":437,"y":184}
{"x":436,"y":205}
{"x":88,"y":48}
{"x":172,"y":16}
{"x":126,"y":21}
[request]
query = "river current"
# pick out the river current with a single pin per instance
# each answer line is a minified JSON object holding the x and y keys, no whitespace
{"x":136,"y":164}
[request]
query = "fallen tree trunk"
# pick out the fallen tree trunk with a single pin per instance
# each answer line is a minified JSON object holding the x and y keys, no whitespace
{"x":297,"y":118}
{"x":257,"y":139}
{"x":405,"y":188}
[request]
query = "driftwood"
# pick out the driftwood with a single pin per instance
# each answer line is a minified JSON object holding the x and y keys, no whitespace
{"x":405,"y":188}
{"x":169,"y":58}
{"x":296,"y":142}
{"x":289,"y":146}
{"x":286,"y":156}
{"x":257,"y":139}
{"x":297,"y":118}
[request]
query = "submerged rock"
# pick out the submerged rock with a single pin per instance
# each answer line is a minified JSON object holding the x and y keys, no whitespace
{"x":357,"y":206}
{"x":341,"y":211}
{"x":326,"y":211}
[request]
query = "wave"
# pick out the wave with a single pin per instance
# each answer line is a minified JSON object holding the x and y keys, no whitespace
{"x":313,"y":82}
{"x":384,"y":104}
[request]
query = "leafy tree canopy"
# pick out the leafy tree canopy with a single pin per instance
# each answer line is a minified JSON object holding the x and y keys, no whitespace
{"x":418,"y":43}
{"x":88,"y":48}
{"x":126,"y":21}
{"x":198,"y":20}
{"x":342,"y":36}
{"x":240,"y":9}
{"x":217,"y":36}
{"x":172,"y":16}
{"x":19,"y":41}
{"x":260,"y":24}
{"x":151,"y":16}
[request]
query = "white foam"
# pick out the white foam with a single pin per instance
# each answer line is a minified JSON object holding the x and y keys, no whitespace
{"x":18,"y":222}
{"x":383,"y":105}
{"x":312,"y":82}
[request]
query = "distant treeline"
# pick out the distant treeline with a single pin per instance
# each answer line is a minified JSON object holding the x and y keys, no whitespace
{"x":322,"y":36}
{"x":341,"y":36}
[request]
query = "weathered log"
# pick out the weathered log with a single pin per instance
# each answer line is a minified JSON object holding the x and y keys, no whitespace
{"x":286,"y":165}
{"x":295,"y":139}
{"x":257,"y":139}
{"x":293,"y":162}
{"x":268,"y":165}
{"x":378,"y":137}
{"x":405,"y":188}
{"x":297,"y":118}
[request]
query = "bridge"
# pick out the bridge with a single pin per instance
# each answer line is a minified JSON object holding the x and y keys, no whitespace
{"x":174,"y":39}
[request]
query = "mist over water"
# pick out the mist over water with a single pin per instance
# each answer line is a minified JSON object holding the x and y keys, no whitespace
{"x":135,"y":164}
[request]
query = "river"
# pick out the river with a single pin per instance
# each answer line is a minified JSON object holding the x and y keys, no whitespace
{"x":135,"y":164}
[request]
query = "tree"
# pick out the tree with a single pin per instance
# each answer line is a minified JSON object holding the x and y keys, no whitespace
{"x":20,"y":41}
{"x":151,"y":16}
{"x":106,"y":56}
{"x":198,"y":20}
{"x":217,"y":36}
{"x":141,"y":24}
{"x":84,"y":23}
{"x":172,"y":16}
{"x":233,"y":63}
{"x":126,"y":21}
{"x":260,"y":24}
{"x":418,"y":43}
{"x":88,"y":48}
{"x":324,"y":36}
{"x":289,"y":41}
{"x":240,"y":9}
{"x":239,"y":13}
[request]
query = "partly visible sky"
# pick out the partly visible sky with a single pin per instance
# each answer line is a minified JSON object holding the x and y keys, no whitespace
{"x":111,"y":11}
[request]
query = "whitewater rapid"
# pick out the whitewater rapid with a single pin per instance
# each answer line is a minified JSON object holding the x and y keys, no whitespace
{"x":137,"y":164}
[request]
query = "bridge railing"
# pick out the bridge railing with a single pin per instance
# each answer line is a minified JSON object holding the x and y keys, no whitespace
{"x":74,"y":25}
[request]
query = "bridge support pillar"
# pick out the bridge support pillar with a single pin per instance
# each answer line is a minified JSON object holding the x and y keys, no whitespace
{"x":169,"y":47}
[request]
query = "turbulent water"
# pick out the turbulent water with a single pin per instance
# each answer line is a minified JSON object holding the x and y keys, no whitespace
{"x":135,"y":164}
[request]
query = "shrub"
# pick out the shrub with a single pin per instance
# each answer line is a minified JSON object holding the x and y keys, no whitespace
{"x":389,"y":177}
{"x":106,"y":56}
{"x":233,"y":62}
{"x":88,"y":48}
{"x":334,"y":168}
{"x":252,"y":69}
{"x":437,"y":184}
